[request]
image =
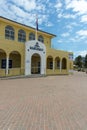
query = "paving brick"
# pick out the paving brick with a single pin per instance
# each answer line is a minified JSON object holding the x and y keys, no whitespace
{"x":46,"y":103}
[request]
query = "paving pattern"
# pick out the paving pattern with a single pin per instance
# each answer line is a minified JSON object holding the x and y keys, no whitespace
{"x":46,"y":103}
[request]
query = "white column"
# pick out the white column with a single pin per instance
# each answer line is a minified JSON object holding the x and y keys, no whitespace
{"x":53,"y":65}
{"x":43,"y":64}
{"x":7,"y":65}
{"x":60,"y":65}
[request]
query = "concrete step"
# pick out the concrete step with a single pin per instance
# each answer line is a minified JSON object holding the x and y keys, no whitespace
{"x":22,"y":76}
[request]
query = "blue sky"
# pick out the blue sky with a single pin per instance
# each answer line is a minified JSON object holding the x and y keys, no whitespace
{"x":65,"y":18}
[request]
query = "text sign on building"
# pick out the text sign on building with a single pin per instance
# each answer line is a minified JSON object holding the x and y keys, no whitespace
{"x":36,"y":47}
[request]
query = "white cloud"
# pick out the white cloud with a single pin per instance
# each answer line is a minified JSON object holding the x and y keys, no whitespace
{"x":26,"y":4}
{"x":82,"y":53}
{"x":58,"y":5}
{"x":60,"y":41}
{"x":42,"y":18}
{"x":71,"y":26}
{"x":24,"y":11}
{"x":74,"y":24}
{"x":79,"y":6}
{"x":72,"y":39}
{"x":60,"y":15}
{"x":1,"y":2}
{"x":82,"y":33}
{"x":49,"y":24}
{"x":61,"y":11}
{"x":65,"y":34}
{"x":69,"y":16}
{"x":84,"y":19}
{"x":18,"y":11}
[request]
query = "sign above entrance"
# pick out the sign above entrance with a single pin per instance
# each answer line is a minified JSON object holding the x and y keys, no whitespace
{"x":36,"y":47}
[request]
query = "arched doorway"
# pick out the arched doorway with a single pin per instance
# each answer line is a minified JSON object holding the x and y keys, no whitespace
{"x":49,"y":62}
{"x":2,"y":62}
{"x":14,"y":63}
{"x":35,"y":64}
{"x":64,"y":63}
{"x":57,"y":63}
{"x":14,"y":60}
{"x":2,"y":59}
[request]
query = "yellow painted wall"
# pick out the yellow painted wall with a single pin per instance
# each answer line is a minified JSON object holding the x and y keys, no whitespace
{"x":13,"y":45}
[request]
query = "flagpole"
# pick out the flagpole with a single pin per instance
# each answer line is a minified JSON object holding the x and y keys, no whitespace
{"x":36,"y":26}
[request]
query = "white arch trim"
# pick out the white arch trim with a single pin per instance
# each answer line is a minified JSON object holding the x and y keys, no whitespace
{"x":32,"y":47}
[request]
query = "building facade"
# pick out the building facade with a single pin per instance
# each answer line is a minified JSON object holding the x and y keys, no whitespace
{"x":22,"y":54}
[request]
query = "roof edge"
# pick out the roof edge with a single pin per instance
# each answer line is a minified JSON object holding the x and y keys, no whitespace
{"x":26,"y":26}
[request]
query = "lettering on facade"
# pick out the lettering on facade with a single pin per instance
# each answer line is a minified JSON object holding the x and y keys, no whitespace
{"x":36,"y":47}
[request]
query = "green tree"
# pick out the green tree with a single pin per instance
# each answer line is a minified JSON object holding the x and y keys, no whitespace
{"x":85,"y":61}
{"x":78,"y":61}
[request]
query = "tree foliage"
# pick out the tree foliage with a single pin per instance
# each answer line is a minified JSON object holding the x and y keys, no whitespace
{"x":85,"y":61}
{"x":78,"y":61}
{"x":81,"y":61}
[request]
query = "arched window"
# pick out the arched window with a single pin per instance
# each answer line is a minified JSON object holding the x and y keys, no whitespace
{"x":31,"y":36}
{"x":41,"y":39}
{"x":21,"y":36}
{"x":9,"y":32}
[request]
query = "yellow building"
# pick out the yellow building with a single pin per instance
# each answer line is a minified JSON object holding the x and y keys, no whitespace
{"x":22,"y":54}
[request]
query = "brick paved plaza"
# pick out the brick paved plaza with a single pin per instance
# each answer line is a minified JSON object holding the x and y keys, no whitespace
{"x":47,"y":103}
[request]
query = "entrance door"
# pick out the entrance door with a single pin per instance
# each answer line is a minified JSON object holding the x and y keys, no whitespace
{"x":38,"y":67}
{"x":35,"y":64}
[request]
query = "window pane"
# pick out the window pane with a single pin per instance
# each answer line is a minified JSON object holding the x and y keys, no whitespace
{"x":31,"y":36}
{"x":9,"y":32}
{"x":10,"y":63}
{"x":41,"y":39}
{"x":3,"y":63}
{"x":21,"y":36}
{"x":51,"y":65}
